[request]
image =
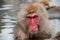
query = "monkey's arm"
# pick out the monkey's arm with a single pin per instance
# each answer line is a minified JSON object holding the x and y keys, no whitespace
{"x":19,"y":33}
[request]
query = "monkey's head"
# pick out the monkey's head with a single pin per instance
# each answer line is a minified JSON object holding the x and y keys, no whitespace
{"x":33,"y":19}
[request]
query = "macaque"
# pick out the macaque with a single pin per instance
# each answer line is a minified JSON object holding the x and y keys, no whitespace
{"x":32,"y":23}
{"x":45,"y":3}
{"x":57,"y":36}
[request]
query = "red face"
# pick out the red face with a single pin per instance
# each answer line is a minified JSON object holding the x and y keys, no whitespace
{"x":32,"y":20}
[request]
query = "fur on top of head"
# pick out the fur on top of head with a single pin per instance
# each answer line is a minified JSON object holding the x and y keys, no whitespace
{"x":32,"y":7}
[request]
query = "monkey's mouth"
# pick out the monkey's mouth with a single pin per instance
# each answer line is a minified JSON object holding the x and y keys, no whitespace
{"x":32,"y":20}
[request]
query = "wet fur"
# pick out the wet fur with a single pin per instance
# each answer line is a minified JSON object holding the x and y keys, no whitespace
{"x":45,"y":3}
{"x":20,"y":30}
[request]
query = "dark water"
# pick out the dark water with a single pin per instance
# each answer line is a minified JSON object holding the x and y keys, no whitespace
{"x":6,"y":25}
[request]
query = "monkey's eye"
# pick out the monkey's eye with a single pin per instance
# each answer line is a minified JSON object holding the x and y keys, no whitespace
{"x":32,"y":17}
{"x":28,"y":17}
{"x":35,"y":16}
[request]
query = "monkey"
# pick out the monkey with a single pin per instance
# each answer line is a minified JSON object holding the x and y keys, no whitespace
{"x":32,"y":23}
{"x":45,"y":3}
{"x":57,"y":36}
